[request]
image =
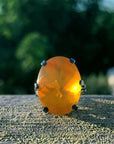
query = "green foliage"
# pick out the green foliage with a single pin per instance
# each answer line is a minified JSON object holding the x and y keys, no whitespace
{"x":33,"y":30}
{"x":10,"y":19}
{"x":97,"y":84}
{"x":32,"y":50}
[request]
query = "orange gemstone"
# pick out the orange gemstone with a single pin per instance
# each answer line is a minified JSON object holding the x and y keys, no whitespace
{"x":59,"y":87}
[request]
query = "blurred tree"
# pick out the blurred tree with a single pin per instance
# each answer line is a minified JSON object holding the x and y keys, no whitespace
{"x":32,"y":30}
{"x":105,"y":36}
{"x":97,"y":84}
{"x":31,"y":51}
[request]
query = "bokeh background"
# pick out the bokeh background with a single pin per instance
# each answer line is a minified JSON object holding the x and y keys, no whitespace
{"x":34,"y":30}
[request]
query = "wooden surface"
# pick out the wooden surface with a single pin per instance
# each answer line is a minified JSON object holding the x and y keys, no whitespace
{"x":23,"y":121}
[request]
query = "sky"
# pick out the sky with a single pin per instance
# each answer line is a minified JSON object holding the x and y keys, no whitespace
{"x":105,"y":5}
{"x":108,"y":5}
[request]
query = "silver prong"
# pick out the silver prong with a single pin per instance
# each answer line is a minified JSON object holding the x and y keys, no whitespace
{"x":83,"y":91}
{"x":43,"y":63}
{"x":83,"y":87}
{"x":74,"y":107}
{"x":36,"y":86}
{"x":72,"y":60}
{"x":45,"y":109}
{"x":36,"y":93}
{"x":81,"y":82}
